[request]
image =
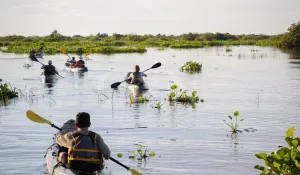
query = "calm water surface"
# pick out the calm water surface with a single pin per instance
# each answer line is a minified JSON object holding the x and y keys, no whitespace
{"x":263,"y":86}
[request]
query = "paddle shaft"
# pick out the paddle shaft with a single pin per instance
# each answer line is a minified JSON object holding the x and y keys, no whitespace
{"x":119,"y":163}
{"x":54,"y":126}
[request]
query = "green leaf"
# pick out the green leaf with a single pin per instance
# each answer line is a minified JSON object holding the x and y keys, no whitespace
{"x":174,"y":86}
{"x":259,"y":167}
{"x":294,"y":143}
{"x":194,"y":93}
{"x":131,"y":157}
{"x":261,"y":156}
{"x":242,"y":119}
{"x":277,"y":165}
{"x":151,"y":154}
{"x":236,"y":113}
{"x":289,"y":141}
{"x":120,"y":155}
{"x":290,"y":132}
{"x":293,"y":155}
{"x":286,"y":157}
{"x":230,"y":117}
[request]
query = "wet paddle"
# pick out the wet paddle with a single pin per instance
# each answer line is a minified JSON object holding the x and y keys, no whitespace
{"x":38,"y":119}
{"x":115,"y":85}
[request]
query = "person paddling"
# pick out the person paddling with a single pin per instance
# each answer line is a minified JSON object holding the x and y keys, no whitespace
{"x":71,"y":61}
{"x":136,"y":77}
{"x":80,"y":63}
{"x":86,"y":149}
{"x":49,"y":69}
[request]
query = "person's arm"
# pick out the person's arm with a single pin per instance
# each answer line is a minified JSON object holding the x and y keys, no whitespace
{"x":64,"y":140}
{"x":145,"y":75}
{"x":103,"y":147}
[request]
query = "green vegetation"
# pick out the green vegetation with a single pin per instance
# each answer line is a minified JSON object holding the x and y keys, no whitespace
{"x":140,"y":153}
{"x":285,"y":161}
{"x":118,"y":43}
{"x":7,"y":93}
{"x":233,"y":124}
{"x":158,"y":105}
{"x":182,"y":96}
{"x":191,"y":67}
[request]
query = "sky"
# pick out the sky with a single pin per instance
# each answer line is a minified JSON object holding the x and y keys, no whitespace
{"x":85,"y":17}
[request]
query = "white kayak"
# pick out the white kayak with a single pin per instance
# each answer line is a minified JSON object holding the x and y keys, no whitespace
{"x":49,"y":79}
{"x":75,"y":69}
{"x":51,"y":160}
{"x":136,"y":88}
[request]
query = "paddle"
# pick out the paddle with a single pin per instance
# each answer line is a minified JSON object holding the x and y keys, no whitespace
{"x":115,"y":85}
{"x":38,"y":119}
{"x":63,"y":50}
{"x":33,"y":58}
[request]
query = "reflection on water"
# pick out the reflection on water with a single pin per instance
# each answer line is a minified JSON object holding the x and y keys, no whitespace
{"x":186,"y":139}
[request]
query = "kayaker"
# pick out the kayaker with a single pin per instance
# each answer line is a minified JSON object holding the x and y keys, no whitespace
{"x":49,"y":69}
{"x":79,"y":63}
{"x":136,"y":77}
{"x":86,"y":149}
{"x":72,"y":61}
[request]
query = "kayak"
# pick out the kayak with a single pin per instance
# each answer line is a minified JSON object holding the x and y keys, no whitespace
{"x":49,"y":79}
{"x":75,"y":69}
{"x":39,"y":55}
{"x":135,"y":88}
{"x":55,"y":169}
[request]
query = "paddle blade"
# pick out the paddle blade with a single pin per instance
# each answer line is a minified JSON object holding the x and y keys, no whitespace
{"x":135,"y":172}
{"x":156,"y":65}
{"x":115,"y":85}
{"x":88,"y":53}
{"x":36,"y":118}
{"x":63,"y":50}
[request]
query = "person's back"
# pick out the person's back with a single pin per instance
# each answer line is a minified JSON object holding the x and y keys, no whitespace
{"x":85,"y":148}
{"x":80,"y":63}
{"x":49,"y":69}
{"x":137,"y":76}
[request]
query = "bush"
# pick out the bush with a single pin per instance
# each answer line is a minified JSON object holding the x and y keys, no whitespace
{"x":285,"y":161}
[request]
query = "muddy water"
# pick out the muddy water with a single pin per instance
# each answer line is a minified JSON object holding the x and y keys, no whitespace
{"x":262,"y":85}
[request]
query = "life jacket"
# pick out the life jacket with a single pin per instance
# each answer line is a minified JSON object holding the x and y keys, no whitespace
{"x":85,"y":155}
{"x":138,"y":78}
{"x":81,"y":63}
{"x":49,"y":70}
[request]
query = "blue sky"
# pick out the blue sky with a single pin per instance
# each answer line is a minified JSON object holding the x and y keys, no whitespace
{"x":85,"y":17}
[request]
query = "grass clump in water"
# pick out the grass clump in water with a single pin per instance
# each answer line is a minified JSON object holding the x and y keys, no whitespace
{"x":285,"y":161}
{"x":234,"y":122}
{"x":182,"y":96}
{"x":191,"y":67}
{"x":7,"y":93}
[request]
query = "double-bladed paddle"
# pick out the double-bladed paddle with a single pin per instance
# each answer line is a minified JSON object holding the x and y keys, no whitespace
{"x":115,"y":85}
{"x":38,"y":119}
{"x":33,"y":58}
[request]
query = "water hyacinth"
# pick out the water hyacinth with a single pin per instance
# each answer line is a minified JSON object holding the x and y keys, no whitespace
{"x":191,"y":67}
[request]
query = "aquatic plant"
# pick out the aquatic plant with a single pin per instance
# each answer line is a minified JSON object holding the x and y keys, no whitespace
{"x":182,"y":96}
{"x":141,"y":153}
{"x":191,"y":67}
{"x":234,"y":122}
{"x":158,"y":105}
{"x":7,"y":93}
{"x":228,"y":49}
{"x":285,"y":161}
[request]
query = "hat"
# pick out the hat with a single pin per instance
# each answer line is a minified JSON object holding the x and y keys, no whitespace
{"x":83,"y":119}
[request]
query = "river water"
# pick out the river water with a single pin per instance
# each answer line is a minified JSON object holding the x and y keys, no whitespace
{"x":262,"y":85}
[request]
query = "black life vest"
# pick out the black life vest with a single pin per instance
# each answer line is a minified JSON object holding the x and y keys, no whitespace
{"x":49,"y":70}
